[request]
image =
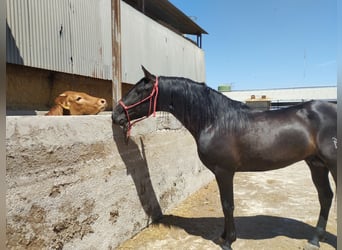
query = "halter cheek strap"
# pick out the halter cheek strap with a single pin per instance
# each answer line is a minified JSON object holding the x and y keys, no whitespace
{"x":154,"y":93}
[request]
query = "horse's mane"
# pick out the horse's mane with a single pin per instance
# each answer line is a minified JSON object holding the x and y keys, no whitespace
{"x":197,"y":103}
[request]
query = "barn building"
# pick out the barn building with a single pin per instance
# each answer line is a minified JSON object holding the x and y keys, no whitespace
{"x":87,"y":187}
{"x":284,"y":97}
{"x":94,"y":46}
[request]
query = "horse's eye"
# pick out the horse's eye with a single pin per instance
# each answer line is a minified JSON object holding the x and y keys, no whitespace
{"x":78,"y":98}
{"x":140,"y":89}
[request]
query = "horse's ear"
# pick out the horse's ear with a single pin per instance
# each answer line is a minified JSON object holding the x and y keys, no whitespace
{"x":147,"y":74}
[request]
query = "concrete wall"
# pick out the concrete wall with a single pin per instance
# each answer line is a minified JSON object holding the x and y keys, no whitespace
{"x":74,"y":184}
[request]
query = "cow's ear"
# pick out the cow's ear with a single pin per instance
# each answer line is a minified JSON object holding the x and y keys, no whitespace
{"x":62,"y":100}
{"x":147,"y":74}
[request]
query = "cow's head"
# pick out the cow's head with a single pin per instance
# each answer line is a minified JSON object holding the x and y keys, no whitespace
{"x":77,"y":103}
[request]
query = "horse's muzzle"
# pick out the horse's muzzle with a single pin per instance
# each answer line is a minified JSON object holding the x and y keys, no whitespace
{"x":119,"y":119}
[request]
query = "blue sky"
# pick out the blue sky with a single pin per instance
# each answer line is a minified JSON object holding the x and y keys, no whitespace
{"x":267,"y":43}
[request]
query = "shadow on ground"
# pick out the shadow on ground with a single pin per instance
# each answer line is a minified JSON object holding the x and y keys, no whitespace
{"x":258,"y":227}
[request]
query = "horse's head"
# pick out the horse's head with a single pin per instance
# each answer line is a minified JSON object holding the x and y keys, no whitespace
{"x":138,"y":103}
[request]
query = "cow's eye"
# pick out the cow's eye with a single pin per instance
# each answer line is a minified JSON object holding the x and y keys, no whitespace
{"x":78,"y":98}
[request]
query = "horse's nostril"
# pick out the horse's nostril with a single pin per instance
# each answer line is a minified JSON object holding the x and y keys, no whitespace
{"x":117,"y":119}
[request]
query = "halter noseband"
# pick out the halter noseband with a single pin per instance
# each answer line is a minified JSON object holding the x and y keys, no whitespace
{"x":154,"y":93}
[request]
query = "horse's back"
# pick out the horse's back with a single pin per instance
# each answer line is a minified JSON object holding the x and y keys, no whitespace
{"x":317,"y":115}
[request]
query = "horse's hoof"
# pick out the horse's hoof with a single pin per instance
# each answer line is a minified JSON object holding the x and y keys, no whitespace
{"x":310,"y":246}
{"x":224,"y":247}
{"x":223,"y":243}
{"x":219,"y":241}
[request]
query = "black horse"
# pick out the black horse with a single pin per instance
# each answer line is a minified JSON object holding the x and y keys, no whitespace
{"x":231,"y":137}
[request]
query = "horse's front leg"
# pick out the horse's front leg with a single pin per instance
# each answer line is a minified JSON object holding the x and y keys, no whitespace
{"x":225,"y":183}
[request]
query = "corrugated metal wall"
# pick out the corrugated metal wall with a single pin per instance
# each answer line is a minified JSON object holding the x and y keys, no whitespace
{"x":160,"y":50}
{"x":17,"y":32}
{"x":72,"y":36}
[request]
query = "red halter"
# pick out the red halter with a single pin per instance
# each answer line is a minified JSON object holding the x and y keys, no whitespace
{"x":154,"y":93}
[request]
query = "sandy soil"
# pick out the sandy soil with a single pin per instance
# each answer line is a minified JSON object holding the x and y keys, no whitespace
{"x":273,"y":210}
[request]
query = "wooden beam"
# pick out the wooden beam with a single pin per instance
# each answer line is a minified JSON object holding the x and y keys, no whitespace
{"x":116,"y":50}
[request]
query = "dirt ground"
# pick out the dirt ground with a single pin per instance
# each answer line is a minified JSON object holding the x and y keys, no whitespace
{"x":273,"y":210}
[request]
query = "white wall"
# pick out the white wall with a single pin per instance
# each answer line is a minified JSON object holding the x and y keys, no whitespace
{"x":160,"y":50}
{"x":290,"y":94}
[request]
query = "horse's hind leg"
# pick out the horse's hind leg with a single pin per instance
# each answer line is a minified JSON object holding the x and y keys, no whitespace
{"x":320,"y":177}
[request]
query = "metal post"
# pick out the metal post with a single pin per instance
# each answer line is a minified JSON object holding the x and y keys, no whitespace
{"x":199,"y":41}
{"x":116,"y":50}
{"x":141,"y":5}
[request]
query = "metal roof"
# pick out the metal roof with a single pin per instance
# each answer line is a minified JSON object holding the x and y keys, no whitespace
{"x":167,"y":14}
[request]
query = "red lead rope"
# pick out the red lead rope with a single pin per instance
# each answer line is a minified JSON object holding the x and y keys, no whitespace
{"x":126,"y":108}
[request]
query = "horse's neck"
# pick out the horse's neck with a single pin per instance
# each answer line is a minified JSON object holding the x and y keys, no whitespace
{"x":198,"y":107}
{"x":181,"y":101}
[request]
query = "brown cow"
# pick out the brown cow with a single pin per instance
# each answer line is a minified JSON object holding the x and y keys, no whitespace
{"x":77,"y":103}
